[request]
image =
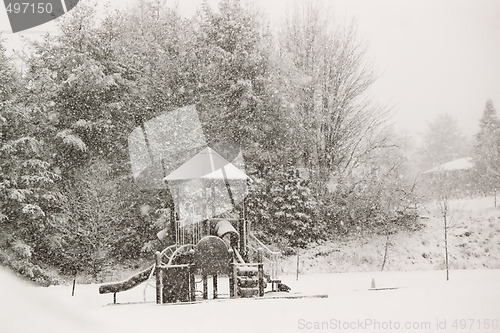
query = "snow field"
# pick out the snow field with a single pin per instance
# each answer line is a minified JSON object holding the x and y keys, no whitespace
{"x":422,"y":299}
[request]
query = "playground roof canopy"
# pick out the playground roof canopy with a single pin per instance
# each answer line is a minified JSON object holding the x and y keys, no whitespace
{"x":207,"y":164}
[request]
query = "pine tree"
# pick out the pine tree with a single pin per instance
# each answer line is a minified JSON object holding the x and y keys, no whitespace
{"x":78,"y":101}
{"x":7,"y":78}
{"x":28,"y":200}
{"x":487,"y":149}
{"x":283,"y":206}
{"x":234,"y":75}
{"x":442,"y":142}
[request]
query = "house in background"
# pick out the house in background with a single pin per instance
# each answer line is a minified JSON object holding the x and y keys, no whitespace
{"x":454,"y":179}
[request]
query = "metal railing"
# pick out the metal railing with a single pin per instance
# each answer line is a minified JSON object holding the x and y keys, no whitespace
{"x":270,"y":257}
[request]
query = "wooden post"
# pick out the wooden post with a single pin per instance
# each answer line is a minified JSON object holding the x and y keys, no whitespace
{"x":260,"y":260}
{"x":245,"y":239}
{"x":114,"y":298}
{"x":177,"y":222}
{"x":192,"y":284}
{"x":240,"y":234}
{"x":231,"y":274}
{"x":214,"y":280}
{"x":212,"y":199}
{"x":173,"y":221}
{"x":204,"y":214}
{"x":235,"y":281}
{"x":73,"y":290}
{"x":205,"y":287}
{"x":159,"y":279}
{"x":243,"y":243}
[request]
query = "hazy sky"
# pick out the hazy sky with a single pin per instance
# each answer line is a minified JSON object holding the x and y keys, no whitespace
{"x":432,"y":56}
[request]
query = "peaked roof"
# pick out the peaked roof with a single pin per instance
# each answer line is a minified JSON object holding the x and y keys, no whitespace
{"x":459,"y":164}
{"x":207,"y":164}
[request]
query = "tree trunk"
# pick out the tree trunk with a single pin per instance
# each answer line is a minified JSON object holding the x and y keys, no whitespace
{"x":445,"y":211}
{"x":385,"y":252}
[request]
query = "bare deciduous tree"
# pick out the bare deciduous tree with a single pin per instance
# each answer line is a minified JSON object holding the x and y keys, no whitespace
{"x":336,"y":122}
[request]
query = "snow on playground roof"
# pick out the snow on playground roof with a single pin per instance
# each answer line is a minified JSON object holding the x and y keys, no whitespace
{"x":207,"y":164}
{"x":229,"y":171}
{"x":465,"y":163}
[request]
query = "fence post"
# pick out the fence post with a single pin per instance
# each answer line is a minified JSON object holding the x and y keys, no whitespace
{"x":74,"y":283}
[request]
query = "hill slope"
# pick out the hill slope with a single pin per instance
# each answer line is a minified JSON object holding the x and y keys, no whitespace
{"x":473,"y":242}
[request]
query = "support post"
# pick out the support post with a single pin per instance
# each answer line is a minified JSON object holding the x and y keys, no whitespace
{"x":204,"y":214}
{"x":246,"y":225}
{"x":214,"y":280}
{"x":173,"y":219}
{"x":192,"y":284}
{"x":212,"y":199}
{"x":245,"y":239}
{"x":231,"y":274}
{"x":159,"y":278}
{"x":235,"y":281}
{"x":177,"y":224}
{"x":260,"y":260}
{"x":243,"y":242}
{"x":205,"y":287}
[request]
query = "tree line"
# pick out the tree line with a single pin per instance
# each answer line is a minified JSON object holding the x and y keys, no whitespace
{"x":444,"y":142}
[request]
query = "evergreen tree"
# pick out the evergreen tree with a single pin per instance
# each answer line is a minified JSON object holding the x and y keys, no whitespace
{"x":67,"y":197}
{"x":283,"y":207}
{"x":29,"y":202}
{"x":442,"y":142}
{"x":487,"y":149}
{"x":233,"y":52}
{"x":78,"y":80}
{"x":82,"y":92}
{"x":8,"y":81}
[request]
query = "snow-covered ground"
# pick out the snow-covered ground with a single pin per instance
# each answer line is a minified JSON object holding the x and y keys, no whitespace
{"x":469,"y":302}
{"x":473,"y":243}
{"x":413,"y":294}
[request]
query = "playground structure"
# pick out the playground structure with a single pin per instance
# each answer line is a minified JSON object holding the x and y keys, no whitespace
{"x":176,"y":266}
{"x":208,"y":239}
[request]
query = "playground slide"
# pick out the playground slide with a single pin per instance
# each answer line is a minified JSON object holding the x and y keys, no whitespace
{"x":131,"y":282}
{"x":224,"y":229}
